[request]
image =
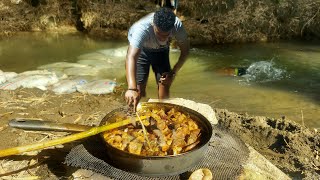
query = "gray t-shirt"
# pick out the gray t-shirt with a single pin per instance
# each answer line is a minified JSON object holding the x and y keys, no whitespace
{"x":141,"y":34}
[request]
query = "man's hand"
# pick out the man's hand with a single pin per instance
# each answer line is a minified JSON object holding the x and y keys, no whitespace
{"x":167,"y":78}
{"x":132,"y":98}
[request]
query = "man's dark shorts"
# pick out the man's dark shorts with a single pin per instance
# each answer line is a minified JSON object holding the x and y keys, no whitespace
{"x":159,"y":61}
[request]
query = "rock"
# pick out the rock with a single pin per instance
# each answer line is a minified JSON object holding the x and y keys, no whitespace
{"x":83,"y":174}
{"x":201,"y":174}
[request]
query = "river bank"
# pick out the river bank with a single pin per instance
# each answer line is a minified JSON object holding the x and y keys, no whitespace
{"x":291,"y":147}
{"x":207,"y":22}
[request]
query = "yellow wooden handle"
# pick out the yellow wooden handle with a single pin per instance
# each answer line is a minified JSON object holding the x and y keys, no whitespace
{"x":91,"y":132}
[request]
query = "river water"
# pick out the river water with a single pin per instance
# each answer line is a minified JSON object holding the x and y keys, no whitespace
{"x":280,"y":79}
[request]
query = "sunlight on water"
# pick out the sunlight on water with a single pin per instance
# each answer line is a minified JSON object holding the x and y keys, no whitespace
{"x":264,"y":71}
{"x":282,"y":79}
{"x":276,"y":84}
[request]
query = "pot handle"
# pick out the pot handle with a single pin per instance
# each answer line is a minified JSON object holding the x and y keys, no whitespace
{"x":40,"y":125}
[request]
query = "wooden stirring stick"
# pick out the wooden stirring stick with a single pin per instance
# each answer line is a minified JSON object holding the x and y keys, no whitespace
{"x":91,"y":132}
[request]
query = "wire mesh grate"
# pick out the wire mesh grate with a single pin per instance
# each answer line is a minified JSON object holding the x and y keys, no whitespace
{"x":224,"y":157}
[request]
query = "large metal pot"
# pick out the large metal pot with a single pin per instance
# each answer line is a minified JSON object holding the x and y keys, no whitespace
{"x":156,"y":165}
{"x":146,"y":166}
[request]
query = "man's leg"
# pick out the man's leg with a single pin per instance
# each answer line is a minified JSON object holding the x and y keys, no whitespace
{"x":160,"y":66}
{"x":142,"y":90}
{"x":143,"y":66}
{"x":163,"y":91}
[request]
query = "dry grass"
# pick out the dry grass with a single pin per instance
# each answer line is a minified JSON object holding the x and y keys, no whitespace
{"x":225,"y":21}
{"x":14,"y":170}
{"x":216,"y":21}
{"x":21,"y":102}
{"x":25,"y":15}
{"x":44,"y":105}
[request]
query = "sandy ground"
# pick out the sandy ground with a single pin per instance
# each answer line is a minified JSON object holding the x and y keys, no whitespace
{"x":292,"y":148}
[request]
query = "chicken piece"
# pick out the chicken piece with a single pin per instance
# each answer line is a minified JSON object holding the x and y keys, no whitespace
{"x":162,"y":114}
{"x":136,"y":132}
{"x":191,"y":146}
{"x":165,"y":148}
{"x":161,"y":137}
{"x":146,"y":122}
{"x":115,"y":141}
{"x":140,"y":139}
{"x":166,"y":131}
{"x":171,"y":112}
{"x":178,"y":141}
{"x":153,"y":147}
{"x":181,"y":132}
{"x":144,"y":152}
{"x":193,"y":137}
{"x":180,"y":118}
{"x":177,"y":146}
{"x":169,"y":140}
{"x":135,"y":147}
{"x":162,"y":126}
{"x":126,"y":139}
{"x":192,"y":124}
{"x":176,"y":116}
{"x":156,"y":117}
{"x":152,"y":137}
{"x":162,"y":140}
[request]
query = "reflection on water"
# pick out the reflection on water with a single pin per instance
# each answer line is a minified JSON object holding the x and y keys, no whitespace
{"x":28,"y":51}
{"x":282,"y":79}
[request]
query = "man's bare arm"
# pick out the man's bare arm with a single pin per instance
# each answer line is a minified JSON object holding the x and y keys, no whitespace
{"x":131,"y":61}
{"x":184,"y":48}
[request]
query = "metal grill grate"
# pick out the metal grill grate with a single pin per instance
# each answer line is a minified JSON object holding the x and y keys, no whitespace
{"x":224,"y":157}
